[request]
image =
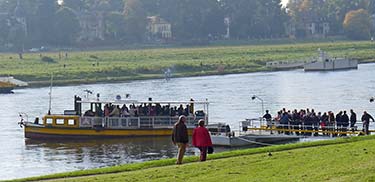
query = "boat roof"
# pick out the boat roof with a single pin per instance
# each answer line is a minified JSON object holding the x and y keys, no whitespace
{"x":139,"y":102}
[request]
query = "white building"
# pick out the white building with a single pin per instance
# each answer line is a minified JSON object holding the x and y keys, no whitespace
{"x":158,"y":29}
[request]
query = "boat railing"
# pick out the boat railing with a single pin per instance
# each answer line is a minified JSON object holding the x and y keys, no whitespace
{"x":133,"y":122}
{"x":262,"y":125}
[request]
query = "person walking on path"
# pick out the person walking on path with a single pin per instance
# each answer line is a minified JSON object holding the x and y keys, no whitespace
{"x":202,"y":139}
{"x":366,"y":122}
{"x":180,"y":137}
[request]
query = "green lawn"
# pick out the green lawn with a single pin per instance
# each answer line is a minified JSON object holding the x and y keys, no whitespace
{"x":120,"y":65}
{"x":350,"y":159}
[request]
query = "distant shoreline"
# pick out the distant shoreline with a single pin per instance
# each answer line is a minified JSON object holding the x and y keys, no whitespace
{"x":39,"y":84}
{"x":114,"y":66}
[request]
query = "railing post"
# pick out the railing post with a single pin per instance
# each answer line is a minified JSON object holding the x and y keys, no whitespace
{"x":139,"y":122}
{"x":153,"y":121}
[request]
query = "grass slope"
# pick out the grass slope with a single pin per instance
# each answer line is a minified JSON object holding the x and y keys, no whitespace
{"x":120,"y":65}
{"x":349,"y":159}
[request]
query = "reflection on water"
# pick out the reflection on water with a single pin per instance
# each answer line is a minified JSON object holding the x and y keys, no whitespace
{"x":64,"y":155}
{"x":230,"y":100}
{"x":102,"y":152}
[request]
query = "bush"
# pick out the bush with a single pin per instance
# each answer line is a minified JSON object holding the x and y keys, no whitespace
{"x":94,"y":57}
{"x":47,"y":59}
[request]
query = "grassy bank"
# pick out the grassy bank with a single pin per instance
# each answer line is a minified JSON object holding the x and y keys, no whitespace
{"x":122,"y":65}
{"x":345,"y":159}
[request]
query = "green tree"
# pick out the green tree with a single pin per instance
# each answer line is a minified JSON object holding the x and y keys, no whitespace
{"x":357,"y":24}
{"x":4,"y":30}
{"x":75,"y":4}
{"x":17,"y":37}
{"x":269,"y":19}
{"x":136,"y":20}
{"x":44,"y":20}
{"x":116,"y":5}
{"x":67,"y":26}
{"x":115,"y":25}
{"x":242,"y":17}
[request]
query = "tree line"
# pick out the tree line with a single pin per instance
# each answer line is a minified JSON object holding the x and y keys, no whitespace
{"x":354,"y":18}
{"x":59,"y":23}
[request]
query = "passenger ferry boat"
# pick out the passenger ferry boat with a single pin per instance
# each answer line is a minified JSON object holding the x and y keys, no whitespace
{"x":96,"y":123}
{"x":325,"y":63}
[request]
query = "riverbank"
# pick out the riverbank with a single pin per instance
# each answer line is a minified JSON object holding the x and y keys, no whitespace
{"x":343,"y":159}
{"x":72,"y":68}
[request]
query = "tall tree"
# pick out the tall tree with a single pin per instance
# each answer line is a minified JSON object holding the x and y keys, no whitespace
{"x":4,"y":30}
{"x":116,"y":5}
{"x":67,"y":26}
{"x":242,"y":17}
{"x":269,"y":19}
{"x":357,"y":24}
{"x":136,"y":20}
{"x":115,"y":26}
{"x":45,"y":18}
{"x":75,"y":4}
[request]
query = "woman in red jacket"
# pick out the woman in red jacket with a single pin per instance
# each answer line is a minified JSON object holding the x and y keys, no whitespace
{"x":202,"y":139}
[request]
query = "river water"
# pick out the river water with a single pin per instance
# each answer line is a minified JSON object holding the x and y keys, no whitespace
{"x":230,"y":102}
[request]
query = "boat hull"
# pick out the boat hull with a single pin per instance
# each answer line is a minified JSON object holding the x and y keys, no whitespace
{"x":332,"y":65}
{"x":34,"y":132}
{"x":251,"y":140}
{"x":6,"y":90}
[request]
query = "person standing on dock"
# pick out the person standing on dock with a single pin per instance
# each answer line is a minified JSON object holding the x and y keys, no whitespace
{"x":268,"y":118}
{"x":353,"y":119}
{"x":344,"y":123}
{"x":180,"y":137}
{"x":366,"y":121}
{"x":201,"y":139}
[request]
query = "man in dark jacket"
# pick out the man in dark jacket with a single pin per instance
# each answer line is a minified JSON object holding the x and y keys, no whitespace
{"x":180,"y":137}
{"x":366,"y":121}
{"x":344,"y":122}
{"x":353,"y":119}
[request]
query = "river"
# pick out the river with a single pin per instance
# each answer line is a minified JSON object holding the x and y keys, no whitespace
{"x":230,"y":102}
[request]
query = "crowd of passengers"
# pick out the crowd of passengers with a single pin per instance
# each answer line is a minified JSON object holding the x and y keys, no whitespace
{"x":111,"y":110}
{"x":311,"y":120}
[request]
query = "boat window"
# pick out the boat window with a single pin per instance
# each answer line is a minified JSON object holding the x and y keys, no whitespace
{"x":60,"y":121}
{"x":71,"y":122}
{"x":49,"y":121}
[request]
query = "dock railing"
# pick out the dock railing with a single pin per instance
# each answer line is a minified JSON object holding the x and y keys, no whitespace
{"x":273,"y":127}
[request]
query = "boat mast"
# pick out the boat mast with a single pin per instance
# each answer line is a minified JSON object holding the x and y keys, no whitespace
{"x":50,"y":95}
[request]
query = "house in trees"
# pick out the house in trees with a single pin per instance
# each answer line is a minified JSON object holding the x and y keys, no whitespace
{"x":305,"y":21}
{"x":158,"y":29}
{"x":308,"y":29}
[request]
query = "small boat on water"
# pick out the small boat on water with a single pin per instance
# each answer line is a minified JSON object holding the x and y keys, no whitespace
{"x":326,"y":63}
{"x":90,"y":119}
{"x":6,"y":87}
{"x":7,"y":84}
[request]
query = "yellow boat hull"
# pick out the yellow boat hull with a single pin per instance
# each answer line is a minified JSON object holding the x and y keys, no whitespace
{"x":48,"y":132}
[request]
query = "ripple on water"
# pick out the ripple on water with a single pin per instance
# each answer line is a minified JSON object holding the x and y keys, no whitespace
{"x":230,"y":102}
